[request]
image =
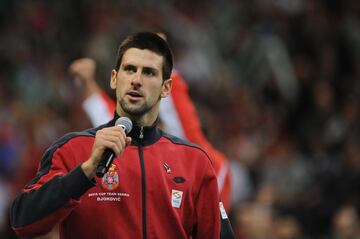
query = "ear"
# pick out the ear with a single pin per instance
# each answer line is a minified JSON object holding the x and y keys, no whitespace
{"x":166,"y":88}
{"x":113,"y":79}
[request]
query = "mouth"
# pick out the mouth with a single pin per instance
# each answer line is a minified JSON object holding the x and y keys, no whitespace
{"x":134,"y":95}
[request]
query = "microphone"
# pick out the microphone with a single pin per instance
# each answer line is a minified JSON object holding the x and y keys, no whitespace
{"x":108,"y":155}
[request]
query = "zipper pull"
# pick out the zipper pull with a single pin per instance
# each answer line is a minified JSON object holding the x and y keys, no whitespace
{"x":141,"y":136}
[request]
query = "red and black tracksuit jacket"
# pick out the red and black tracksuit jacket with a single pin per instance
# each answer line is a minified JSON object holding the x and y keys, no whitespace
{"x":159,"y":187}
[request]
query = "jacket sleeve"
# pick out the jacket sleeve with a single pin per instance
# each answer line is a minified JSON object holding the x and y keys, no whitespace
{"x":51,"y":196}
{"x":207,"y":206}
{"x":212,"y":220}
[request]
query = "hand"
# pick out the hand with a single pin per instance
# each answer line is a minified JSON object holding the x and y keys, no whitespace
{"x":84,"y":73}
{"x":113,"y":138}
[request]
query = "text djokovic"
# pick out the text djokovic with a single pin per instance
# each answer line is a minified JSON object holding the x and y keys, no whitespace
{"x":108,"y":196}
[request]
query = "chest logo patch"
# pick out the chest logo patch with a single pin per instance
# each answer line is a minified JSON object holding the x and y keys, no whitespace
{"x":179,"y":179}
{"x":110,"y":180}
{"x":167,"y":167}
{"x":176,"y":198}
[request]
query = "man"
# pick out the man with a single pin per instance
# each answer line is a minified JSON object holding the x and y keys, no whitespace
{"x":158,"y":187}
{"x":177,"y":114}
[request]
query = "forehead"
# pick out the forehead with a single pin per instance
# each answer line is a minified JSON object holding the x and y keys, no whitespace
{"x":142,"y":58}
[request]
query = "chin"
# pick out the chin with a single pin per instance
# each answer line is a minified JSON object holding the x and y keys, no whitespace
{"x":135,"y":112}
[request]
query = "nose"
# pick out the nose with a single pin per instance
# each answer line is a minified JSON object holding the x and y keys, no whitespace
{"x":137,"y":79}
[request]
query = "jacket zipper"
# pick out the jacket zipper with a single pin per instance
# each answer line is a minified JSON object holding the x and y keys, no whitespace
{"x":143,"y":182}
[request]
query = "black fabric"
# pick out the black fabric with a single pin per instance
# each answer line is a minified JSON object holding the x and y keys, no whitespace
{"x":54,"y":194}
{"x":226,"y":229}
{"x":143,"y":191}
{"x":149,"y":135}
{"x":76,"y":183}
{"x":179,"y":179}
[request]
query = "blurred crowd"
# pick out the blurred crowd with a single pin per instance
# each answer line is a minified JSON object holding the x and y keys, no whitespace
{"x":276,"y":83}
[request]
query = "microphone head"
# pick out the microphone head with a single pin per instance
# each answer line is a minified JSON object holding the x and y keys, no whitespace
{"x":125,"y":123}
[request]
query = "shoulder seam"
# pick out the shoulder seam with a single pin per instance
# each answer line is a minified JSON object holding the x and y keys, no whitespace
{"x":179,"y":141}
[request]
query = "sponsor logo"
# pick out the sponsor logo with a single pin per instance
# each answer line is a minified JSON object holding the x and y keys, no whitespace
{"x":176,"y":198}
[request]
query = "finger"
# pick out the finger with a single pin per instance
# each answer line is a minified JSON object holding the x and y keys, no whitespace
{"x":113,"y":146}
{"x":114,"y":137}
{"x":99,"y":148}
{"x":128,"y":141}
{"x":120,"y":143}
{"x":119,"y":140}
{"x":114,"y":131}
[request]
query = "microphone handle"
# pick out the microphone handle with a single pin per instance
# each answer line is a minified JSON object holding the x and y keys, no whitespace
{"x":105,"y":163}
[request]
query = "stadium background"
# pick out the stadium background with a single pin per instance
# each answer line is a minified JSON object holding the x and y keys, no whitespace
{"x":276,"y":83}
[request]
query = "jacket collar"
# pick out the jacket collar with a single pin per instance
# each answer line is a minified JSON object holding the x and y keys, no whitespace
{"x":140,"y":134}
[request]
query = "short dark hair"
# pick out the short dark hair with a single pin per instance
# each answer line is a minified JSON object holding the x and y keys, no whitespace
{"x":150,"y":41}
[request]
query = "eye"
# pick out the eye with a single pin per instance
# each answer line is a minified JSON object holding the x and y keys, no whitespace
{"x":149,"y":71}
{"x":129,"y":68}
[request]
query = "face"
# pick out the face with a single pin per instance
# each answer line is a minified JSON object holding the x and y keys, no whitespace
{"x":139,"y":85}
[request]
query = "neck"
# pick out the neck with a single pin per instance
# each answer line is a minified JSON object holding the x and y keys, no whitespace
{"x":147,"y":119}
{"x":142,"y":121}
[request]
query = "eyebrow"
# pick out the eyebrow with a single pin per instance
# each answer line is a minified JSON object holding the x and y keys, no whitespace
{"x":128,"y":66}
{"x":145,"y":68}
